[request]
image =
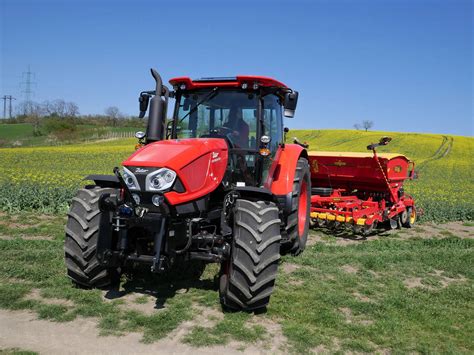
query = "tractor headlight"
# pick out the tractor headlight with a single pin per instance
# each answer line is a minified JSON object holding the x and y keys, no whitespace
{"x":130,"y":179}
{"x":160,"y":180}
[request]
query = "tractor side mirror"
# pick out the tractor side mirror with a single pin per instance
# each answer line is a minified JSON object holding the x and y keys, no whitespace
{"x":144,"y":99}
{"x":291,"y":100}
{"x":385,"y":140}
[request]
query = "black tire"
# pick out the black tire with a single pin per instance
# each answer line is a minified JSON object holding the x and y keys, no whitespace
{"x":411,"y":220}
{"x":298,"y":240}
{"x":82,"y":230}
{"x":247,"y":279}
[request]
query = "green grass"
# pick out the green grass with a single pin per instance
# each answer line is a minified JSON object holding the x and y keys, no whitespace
{"x":232,"y":327}
{"x":28,"y":224}
{"x":17,"y":351}
{"x":322,"y":303}
{"x":16,"y":131}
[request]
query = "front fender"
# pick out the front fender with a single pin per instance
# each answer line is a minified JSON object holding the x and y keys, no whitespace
{"x":104,"y":180}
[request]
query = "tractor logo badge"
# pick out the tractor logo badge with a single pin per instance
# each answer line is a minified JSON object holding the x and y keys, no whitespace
{"x":140,"y":170}
{"x":315,"y":166}
{"x":340,"y":163}
{"x":397,"y":169}
{"x":215,"y":157}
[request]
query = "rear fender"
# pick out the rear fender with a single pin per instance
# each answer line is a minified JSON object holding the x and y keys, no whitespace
{"x":282,"y":173}
{"x":283,"y":170}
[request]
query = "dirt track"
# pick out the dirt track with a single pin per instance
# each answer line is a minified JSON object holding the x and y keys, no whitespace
{"x":19,"y":329}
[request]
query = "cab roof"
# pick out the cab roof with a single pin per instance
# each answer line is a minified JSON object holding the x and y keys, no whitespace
{"x":235,"y":81}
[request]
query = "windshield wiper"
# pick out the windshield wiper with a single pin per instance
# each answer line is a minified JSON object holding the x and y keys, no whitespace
{"x":209,"y":96}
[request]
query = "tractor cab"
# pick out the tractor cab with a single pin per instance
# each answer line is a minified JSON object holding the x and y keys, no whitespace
{"x":245,"y":111}
{"x":240,"y":109}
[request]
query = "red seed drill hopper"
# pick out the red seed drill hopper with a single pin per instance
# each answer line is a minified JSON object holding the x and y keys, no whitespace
{"x":361,"y":190}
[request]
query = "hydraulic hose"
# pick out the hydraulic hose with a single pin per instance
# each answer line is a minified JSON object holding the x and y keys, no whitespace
{"x":190,"y":237}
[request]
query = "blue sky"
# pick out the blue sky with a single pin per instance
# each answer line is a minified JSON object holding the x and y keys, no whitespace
{"x":405,"y":64}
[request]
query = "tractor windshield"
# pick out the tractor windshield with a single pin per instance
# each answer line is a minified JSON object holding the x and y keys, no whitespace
{"x":225,"y":113}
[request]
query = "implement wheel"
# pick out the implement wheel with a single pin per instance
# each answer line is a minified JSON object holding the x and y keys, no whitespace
{"x":365,"y":229}
{"x":411,"y":220}
{"x":369,"y":228}
{"x":247,"y":279}
{"x":82,"y":231}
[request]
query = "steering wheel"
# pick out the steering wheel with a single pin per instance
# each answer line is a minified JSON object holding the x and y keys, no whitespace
{"x":229,"y":134}
{"x":224,"y":130}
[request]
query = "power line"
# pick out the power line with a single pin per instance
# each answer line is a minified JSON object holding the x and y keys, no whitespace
{"x":27,"y":89}
{"x":9,"y":98}
{"x":27,"y":84}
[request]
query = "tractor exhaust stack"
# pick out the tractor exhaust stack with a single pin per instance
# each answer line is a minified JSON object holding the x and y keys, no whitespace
{"x":158,"y":108}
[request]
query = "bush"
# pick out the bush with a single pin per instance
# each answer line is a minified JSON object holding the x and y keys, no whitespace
{"x":59,"y":125}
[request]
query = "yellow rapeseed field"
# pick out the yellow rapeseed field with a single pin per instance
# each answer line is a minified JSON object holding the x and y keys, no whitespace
{"x":45,"y":178}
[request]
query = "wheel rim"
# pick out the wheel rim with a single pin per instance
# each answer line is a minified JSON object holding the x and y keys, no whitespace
{"x":369,"y":228}
{"x":412,"y":216}
{"x":302,"y":208}
{"x":404,"y":217}
{"x":356,"y":229}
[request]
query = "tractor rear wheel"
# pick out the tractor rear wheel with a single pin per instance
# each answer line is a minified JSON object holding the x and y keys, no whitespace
{"x":247,"y":279}
{"x":82,"y":231}
{"x":298,"y":220}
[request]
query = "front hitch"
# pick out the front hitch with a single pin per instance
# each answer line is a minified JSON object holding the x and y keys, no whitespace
{"x":114,"y":219}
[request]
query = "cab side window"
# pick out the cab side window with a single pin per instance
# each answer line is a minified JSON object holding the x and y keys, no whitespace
{"x":272,"y":117}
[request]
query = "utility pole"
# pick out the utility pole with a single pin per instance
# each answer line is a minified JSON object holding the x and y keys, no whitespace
{"x":9,"y":98}
{"x":10,"y":106}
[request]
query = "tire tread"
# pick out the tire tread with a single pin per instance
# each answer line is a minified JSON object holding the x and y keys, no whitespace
{"x":254,"y":257}
{"x":80,"y":243}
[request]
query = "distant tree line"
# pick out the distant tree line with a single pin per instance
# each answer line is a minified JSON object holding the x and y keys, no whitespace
{"x":366,"y":125}
{"x":59,"y":114}
{"x":65,"y":115}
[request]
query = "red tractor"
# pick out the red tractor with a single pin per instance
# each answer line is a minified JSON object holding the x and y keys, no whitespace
{"x":215,"y":184}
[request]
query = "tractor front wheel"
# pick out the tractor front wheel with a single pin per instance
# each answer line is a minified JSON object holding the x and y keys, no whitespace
{"x":247,"y":278}
{"x":82,"y":231}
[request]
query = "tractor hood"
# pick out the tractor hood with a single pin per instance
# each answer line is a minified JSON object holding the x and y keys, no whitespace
{"x":199,"y":163}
